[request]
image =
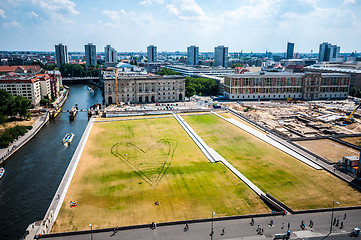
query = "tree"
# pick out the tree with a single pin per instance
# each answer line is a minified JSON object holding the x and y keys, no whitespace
{"x":353,"y":91}
{"x":22,"y":106}
{"x":167,"y":71}
{"x":200,"y":86}
{"x":237,"y":65}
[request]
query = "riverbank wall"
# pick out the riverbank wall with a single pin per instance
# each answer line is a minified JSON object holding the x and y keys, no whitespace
{"x":5,"y":153}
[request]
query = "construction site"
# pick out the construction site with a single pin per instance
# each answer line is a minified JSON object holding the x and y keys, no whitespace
{"x":329,"y":130}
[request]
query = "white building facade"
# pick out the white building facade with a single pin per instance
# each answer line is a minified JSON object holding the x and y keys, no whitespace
{"x":28,"y":87}
{"x":143,"y":88}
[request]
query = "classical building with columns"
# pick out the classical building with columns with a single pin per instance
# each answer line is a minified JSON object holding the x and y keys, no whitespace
{"x":135,"y":88}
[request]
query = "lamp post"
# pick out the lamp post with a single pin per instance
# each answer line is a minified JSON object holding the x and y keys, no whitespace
{"x":212,"y":226}
{"x":91,"y":231}
{"x":333,"y":206}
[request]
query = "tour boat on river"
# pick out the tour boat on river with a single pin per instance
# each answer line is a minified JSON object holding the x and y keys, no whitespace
{"x":68,"y":138}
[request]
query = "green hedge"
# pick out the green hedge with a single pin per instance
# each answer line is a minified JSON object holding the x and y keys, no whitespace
{"x":10,"y":134}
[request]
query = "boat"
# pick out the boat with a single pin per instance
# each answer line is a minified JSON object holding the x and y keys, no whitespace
{"x":54,"y":114}
{"x":90,"y":89}
{"x":73,"y":111}
{"x":68,"y":138}
{"x":2,"y":172}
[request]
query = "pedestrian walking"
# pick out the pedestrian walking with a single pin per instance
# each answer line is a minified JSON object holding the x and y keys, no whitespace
{"x":334,"y":221}
{"x":341,"y":225}
{"x":283,"y":226}
{"x":262,"y":231}
{"x":252,"y":222}
{"x":311,"y":224}
{"x":289,"y":226}
{"x":344,"y":217}
{"x":223,"y":231}
{"x":337,"y":222}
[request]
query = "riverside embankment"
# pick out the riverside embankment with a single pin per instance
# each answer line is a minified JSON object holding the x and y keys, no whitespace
{"x":34,"y":172}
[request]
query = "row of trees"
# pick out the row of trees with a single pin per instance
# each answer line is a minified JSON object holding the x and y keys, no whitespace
{"x":78,"y":70}
{"x":195,"y":86}
{"x":355,"y":92}
{"x":200,"y":86}
{"x":12,"y":106}
{"x":167,"y":71}
{"x":10,"y":134}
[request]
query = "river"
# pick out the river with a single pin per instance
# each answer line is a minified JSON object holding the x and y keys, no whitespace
{"x":34,"y":172}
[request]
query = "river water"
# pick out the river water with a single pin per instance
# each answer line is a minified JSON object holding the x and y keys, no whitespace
{"x":34,"y":172}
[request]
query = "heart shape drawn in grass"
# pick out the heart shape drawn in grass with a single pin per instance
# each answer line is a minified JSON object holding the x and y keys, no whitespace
{"x":150,"y":164}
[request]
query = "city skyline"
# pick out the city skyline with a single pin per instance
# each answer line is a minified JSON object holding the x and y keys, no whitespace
{"x":173,"y":25}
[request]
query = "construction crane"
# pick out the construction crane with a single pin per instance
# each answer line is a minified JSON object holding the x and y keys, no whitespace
{"x":116,"y":87}
{"x":348,"y":119}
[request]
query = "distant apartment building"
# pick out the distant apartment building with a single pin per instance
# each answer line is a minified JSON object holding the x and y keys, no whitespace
{"x":90,"y":55}
{"x":110,"y":56}
{"x":143,"y":88}
{"x":328,"y":52}
{"x":26,"y":86}
{"x":290,"y":50}
{"x":221,"y":56}
{"x":55,"y":82}
{"x":45,"y":85}
{"x":152,"y":53}
{"x":272,"y":85}
{"x":61,"y":52}
{"x":192,"y":55}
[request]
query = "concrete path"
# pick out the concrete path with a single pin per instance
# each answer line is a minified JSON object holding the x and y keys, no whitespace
{"x":270,"y":141}
{"x":210,"y":154}
{"x":5,"y":153}
{"x":59,"y":196}
{"x":240,"y":229}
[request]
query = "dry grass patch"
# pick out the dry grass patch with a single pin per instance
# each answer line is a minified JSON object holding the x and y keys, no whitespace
{"x":286,"y":178}
{"x":328,"y":149}
{"x":127,"y":166}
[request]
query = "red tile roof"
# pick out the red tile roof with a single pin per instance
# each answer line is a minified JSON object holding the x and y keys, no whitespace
{"x":35,"y":68}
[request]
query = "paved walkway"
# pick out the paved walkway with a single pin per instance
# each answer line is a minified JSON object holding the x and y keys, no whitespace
{"x":239,"y":228}
{"x":270,"y":141}
{"x":210,"y":154}
{"x":5,"y":153}
{"x":59,"y":196}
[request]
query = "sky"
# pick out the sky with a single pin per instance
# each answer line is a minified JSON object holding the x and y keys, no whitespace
{"x":172,"y":25}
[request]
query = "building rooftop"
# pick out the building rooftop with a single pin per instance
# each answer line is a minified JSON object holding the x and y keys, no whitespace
{"x":280,"y":74}
{"x":335,"y":69}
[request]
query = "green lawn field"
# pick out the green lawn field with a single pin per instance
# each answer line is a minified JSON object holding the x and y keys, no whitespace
{"x":127,"y":166}
{"x":286,"y":178}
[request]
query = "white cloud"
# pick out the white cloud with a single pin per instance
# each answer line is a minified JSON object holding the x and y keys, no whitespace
{"x":349,"y":1}
{"x":119,"y":18}
{"x":172,"y":9}
{"x":149,"y":2}
{"x":33,"y":14}
{"x":57,"y":7}
{"x":2,"y":13}
{"x":12,"y":24}
{"x":187,"y":10}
